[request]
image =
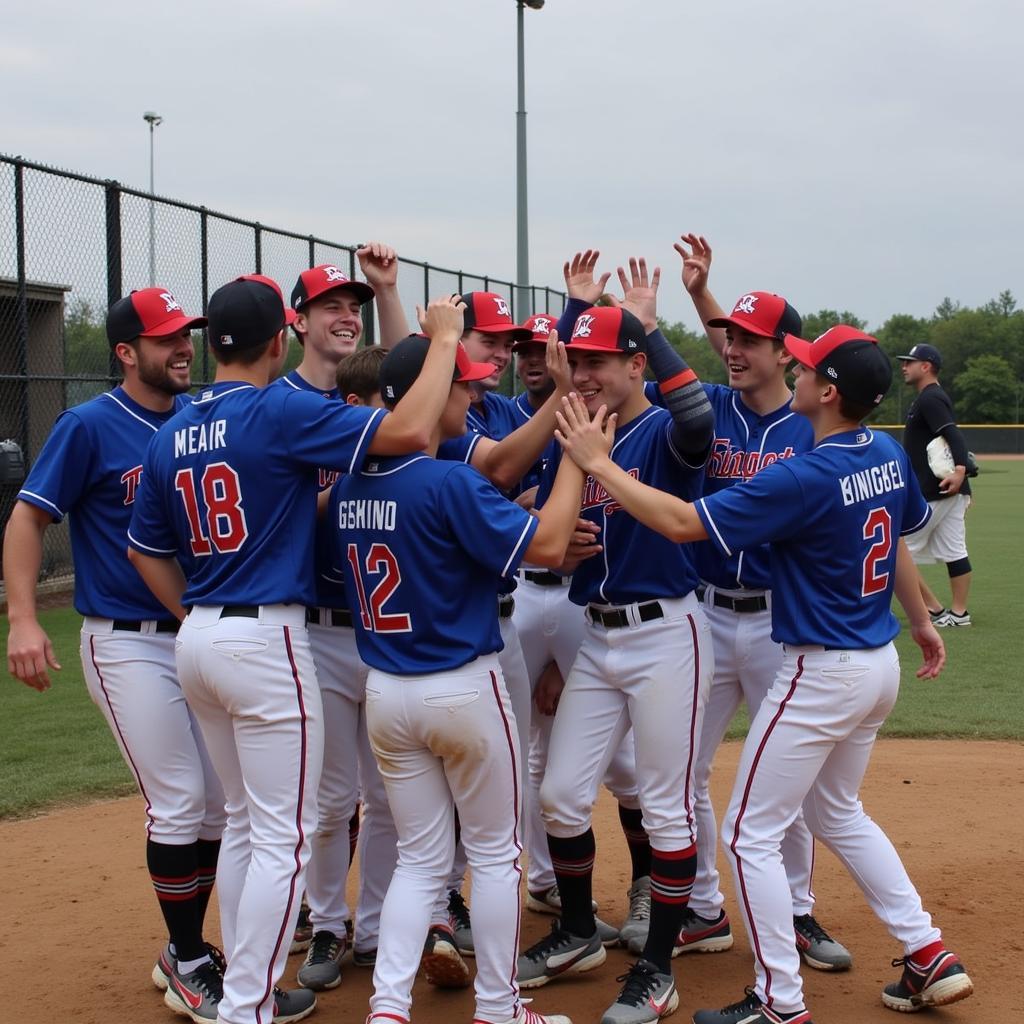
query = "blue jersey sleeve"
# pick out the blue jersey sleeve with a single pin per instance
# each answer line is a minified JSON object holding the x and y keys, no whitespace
{"x":327,"y":434}
{"x":767,"y":507}
{"x":491,"y":529}
{"x":459,"y":449}
{"x":63,"y":470}
{"x":151,"y":529}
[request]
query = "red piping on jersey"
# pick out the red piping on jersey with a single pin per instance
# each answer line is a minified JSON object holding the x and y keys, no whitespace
{"x":298,"y":825}
{"x":124,"y":743}
{"x":739,"y":817}
{"x":515,"y":832}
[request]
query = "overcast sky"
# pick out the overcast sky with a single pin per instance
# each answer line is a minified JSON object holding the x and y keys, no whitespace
{"x":866,"y":155}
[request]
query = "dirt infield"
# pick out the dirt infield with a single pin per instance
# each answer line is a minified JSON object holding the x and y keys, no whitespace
{"x":82,"y":929}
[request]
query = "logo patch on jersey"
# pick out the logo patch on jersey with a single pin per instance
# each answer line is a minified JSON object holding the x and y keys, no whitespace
{"x":170,"y":301}
{"x":327,"y":477}
{"x":502,"y":305}
{"x":746,"y":304}
{"x":334,"y":274}
{"x":541,"y":325}
{"x":595,"y":496}
{"x":131,"y":483}
{"x":583,"y":326}
{"x":728,"y":463}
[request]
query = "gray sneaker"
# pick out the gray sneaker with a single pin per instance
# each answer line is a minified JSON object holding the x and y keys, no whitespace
{"x":549,"y":901}
{"x":461,"y":926}
{"x":638,"y":920}
{"x":196,"y":994}
{"x":558,"y":953}
{"x":293,"y":1005}
{"x":647,"y":995}
{"x":818,"y":949}
{"x":322,"y":968}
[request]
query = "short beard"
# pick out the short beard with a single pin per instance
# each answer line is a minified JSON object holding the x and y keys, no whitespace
{"x":158,"y":377}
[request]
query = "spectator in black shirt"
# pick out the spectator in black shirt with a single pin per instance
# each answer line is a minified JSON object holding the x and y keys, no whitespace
{"x":943,"y":539}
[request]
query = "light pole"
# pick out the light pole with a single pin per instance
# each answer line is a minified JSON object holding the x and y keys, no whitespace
{"x":522,"y":234}
{"x":153,"y":120}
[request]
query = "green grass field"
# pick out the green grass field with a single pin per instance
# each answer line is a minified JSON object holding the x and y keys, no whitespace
{"x":56,"y":748}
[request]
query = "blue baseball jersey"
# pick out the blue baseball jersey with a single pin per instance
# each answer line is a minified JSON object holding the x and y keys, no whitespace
{"x":833,"y":517}
{"x":637,"y":563}
{"x":330,"y":587}
{"x":90,"y":469}
{"x":744,"y":444}
{"x":423,"y":543}
{"x":233,"y":480}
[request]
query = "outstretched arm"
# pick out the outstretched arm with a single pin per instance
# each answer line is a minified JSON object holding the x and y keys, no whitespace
{"x":588,"y":443}
{"x":696,"y":268}
{"x":379,"y":264}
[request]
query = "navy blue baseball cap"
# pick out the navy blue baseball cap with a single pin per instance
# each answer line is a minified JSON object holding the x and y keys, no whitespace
{"x":851,"y":359}
{"x":246,"y":313}
{"x":923,"y":354}
{"x":403,"y":363}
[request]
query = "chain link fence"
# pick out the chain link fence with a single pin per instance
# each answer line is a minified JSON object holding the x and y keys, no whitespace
{"x":70,"y":245}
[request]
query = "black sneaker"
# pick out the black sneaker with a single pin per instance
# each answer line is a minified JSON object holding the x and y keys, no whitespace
{"x":938,"y":983}
{"x":746,"y":1011}
{"x":458,"y":918}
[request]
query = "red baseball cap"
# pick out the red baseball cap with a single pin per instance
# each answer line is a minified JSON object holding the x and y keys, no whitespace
{"x":402,"y":365}
{"x":488,"y":313}
{"x":153,"y":312}
{"x":326,"y":278}
{"x":540,"y":325}
{"x":289,"y":313}
{"x":851,"y":359}
{"x":607,"y":329}
{"x":764,"y":314}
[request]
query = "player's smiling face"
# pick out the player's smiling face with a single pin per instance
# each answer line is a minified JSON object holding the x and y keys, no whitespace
{"x":165,"y":364}
{"x":752,"y":361}
{"x":332,"y":324}
{"x":605,"y":378}
{"x":532,"y":367}
{"x":490,"y":348}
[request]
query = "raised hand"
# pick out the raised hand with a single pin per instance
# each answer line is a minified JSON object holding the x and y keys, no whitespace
{"x":640,"y":292}
{"x":379,"y":264}
{"x":696,"y":262}
{"x":558,"y":363}
{"x":579,"y":277}
{"x":442,"y":316}
{"x":586,"y":441}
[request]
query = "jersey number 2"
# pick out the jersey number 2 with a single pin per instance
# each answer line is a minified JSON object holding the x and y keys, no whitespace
{"x":877,"y":527}
{"x":380,"y":561}
{"x":223,"y":526}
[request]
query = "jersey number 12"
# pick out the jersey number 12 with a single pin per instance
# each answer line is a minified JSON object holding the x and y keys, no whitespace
{"x":380,"y":561}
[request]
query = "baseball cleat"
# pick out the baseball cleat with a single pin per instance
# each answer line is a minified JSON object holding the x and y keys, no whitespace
{"x":647,"y":995}
{"x":461,"y":926}
{"x":817,"y":948}
{"x":303,"y":932}
{"x":557,"y":954}
{"x":196,"y":994}
{"x":549,"y":901}
{"x":938,"y":983}
{"x":750,"y":1010}
{"x":442,"y":965}
{"x":638,"y":920}
{"x":164,"y":968}
{"x":293,"y":1004}
{"x":702,"y":935}
{"x":322,"y":969}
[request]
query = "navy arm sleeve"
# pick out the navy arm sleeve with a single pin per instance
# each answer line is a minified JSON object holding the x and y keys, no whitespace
{"x":685,"y":398}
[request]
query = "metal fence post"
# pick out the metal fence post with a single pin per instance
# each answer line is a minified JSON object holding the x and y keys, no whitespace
{"x":22,"y":305}
{"x":204,"y":279}
{"x":115,"y":284}
{"x":257,"y":231}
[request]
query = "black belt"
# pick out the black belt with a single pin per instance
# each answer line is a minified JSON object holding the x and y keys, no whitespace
{"x":135,"y":625}
{"x":335,"y":617}
{"x":619,"y":617}
{"x":240,"y":611}
{"x":543,"y":578}
{"x":506,"y":606}
{"x":744,"y":605}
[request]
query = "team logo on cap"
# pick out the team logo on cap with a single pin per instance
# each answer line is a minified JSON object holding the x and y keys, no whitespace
{"x":389,"y":391}
{"x":170,"y":301}
{"x":542,"y":325}
{"x":334,"y":274}
{"x":746,"y":304}
{"x":583,"y":325}
{"x":226,"y":339}
{"x":502,"y":305}
{"x":831,"y":371}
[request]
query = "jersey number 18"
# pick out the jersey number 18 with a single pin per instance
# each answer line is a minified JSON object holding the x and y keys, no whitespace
{"x":223,"y":527}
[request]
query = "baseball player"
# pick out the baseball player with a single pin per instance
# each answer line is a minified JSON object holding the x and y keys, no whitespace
{"x":754,"y":427}
{"x":328,"y":324}
{"x":834,"y":517}
{"x":440,"y":719}
{"x":232,"y":480}
{"x":645,"y":659}
{"x":944,"y":538}
{"x":89,"y":469}
{"x":550,"y":628}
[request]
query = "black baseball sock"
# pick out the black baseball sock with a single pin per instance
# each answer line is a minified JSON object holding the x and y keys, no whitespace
{"x":353,"y":835}
{"x":175,"y":874}
{"x":207,"y":852}
{"x":573,"y":861}
{"x":637,"y":840}
{"x":671,"y":881}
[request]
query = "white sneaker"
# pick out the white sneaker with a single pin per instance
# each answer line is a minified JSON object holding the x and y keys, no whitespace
{"x":638,"y":920}
{"x":951,"y":618}
{"x":528,"y":1016}
{"x":549,"y":901}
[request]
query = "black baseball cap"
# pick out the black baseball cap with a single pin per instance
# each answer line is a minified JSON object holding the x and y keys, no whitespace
{"x":325,"y":278}
{"x":246,"y":313}
{"x":923,"y":354}
{"x":607,"y":329}
{"x":851,"y":359}
{"x":402,"y":365}
{"x":153,"y":312}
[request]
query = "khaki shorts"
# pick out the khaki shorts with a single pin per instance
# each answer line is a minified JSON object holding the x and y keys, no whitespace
{"x":943,"y":538}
